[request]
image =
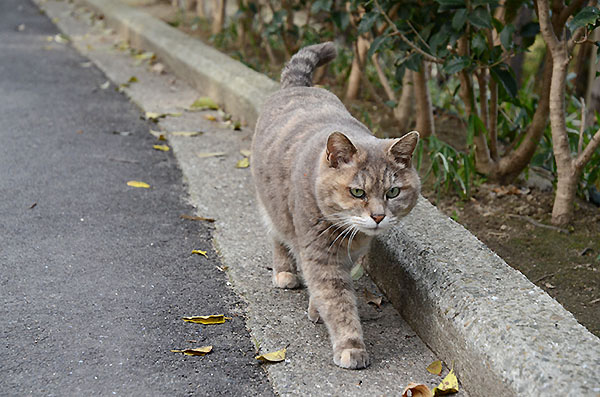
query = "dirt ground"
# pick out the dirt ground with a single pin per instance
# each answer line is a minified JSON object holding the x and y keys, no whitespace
{"x":514,"y":221}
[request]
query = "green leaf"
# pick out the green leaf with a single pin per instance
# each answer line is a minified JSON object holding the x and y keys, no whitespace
{"x":321,"y":5}
{"x":481,"y":18}
{"x":376,"y":44}
{"x":413,"y":62}
{"x":503,"y":75}
{"x":455,"y":65}
{"x":459,"y":19}
{"x":451,"y":4}
{"x":506,"y":37}
{"x":587,"y":16}
{"x":479,"y":44}
{"x":367,"y":22}
{"x":474,"y":127}
{"x":204,"y":103}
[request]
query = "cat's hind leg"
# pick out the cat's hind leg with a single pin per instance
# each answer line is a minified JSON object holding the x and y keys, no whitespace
{"x":284,"y":267}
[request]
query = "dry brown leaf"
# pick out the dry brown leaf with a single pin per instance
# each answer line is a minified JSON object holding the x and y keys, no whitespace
{"x":417,"y":390}
{"x":198,"y":351}
{"x":196,"y":218}
{"x":435,"y":367}
{"x":372,"y":298}
{"x":207,"y":320}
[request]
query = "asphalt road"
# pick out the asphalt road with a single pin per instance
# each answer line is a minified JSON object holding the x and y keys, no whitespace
{"x":96,"y":275}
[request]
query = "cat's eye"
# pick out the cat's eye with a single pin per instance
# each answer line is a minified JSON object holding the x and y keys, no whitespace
{"x":358,"y":193}
{"x":393,"y":192}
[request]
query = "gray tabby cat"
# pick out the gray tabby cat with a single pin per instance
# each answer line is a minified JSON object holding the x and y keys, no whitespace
{"x":325,"y":187}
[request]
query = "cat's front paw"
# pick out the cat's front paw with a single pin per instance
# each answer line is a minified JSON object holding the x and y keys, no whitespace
{"x":351,"y":358}
{"x":285,"y":280}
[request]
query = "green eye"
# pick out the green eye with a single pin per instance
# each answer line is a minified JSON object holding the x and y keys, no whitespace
{"x":358,"y":193}
{"x":393,"y":193}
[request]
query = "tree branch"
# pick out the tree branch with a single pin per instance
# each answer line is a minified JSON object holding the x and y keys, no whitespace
{"x":426,"y":56}
{"x":582,"y":159}
{"x":382,"y":78}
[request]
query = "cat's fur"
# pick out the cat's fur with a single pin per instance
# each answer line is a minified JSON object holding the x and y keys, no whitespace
{"x":308,"y":153}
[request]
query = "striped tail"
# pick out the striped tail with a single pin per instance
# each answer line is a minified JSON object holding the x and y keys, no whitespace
{"x":299,"y":70}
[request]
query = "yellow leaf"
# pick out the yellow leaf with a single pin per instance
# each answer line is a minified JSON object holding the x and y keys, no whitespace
{"x":210,"y":117}
{"x":163,"y":148}
{"x":435,"y":367}
{"x":186,"y":133}
{"x":243,"y":163}
{"x":245,"y":152}
{"x":144,"y":55}
{"x":207,"y":320}
{"x":198,"y":351}
{"x":210,"y":154}
{"x":158,"y":135}
{"x":132,"y":79}
{"x":448,"y":386}
{"x":417,"y":390}
{"x":138,"y":184}
{"x":204,"y":103}
{"x":272,"y":357}
{"x":200,"y":252}
{"x":153,"y":116}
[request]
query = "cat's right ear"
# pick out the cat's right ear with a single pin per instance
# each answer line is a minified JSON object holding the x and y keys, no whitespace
{"x":339,"y":149}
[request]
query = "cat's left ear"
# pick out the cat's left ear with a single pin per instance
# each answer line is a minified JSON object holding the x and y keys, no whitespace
{"x":402,"y":149}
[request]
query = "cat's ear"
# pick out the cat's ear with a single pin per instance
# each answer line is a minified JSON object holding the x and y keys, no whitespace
{"x":339,"y":149}
{"x":402,"y":149}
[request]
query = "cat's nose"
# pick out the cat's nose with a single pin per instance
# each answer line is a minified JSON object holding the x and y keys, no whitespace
{"x":377,"y":217}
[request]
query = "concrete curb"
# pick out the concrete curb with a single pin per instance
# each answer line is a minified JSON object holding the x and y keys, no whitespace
{"x":505,"y":335}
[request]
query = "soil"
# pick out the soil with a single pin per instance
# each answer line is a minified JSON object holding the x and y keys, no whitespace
{"x":514,"y":221}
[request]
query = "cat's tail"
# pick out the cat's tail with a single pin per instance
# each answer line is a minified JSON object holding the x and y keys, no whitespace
{"x":299,"y":70}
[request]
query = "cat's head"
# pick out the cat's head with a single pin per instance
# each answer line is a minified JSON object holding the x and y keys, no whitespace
{"x":369,"y":185}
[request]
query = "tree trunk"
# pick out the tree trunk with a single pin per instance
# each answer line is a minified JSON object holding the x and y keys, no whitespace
{"x":404,"y":110}
{"x":425,"y":124}
{"x":360,"y":51}
{"x":219,"y":16}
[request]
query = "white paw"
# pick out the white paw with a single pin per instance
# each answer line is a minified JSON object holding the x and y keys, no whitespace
{"x":285,"y":280}
{"x":351,"y":358}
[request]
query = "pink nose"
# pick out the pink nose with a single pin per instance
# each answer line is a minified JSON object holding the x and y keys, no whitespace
{"x":377,"y":218}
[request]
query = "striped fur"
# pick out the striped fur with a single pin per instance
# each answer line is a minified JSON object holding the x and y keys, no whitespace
{"x":299,"y":70}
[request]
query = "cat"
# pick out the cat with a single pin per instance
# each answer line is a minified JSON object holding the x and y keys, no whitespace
{"x":325,"y":186}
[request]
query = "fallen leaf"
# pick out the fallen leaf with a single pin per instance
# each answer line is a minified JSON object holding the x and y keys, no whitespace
{"x":85,"y":64}
{"x":207,"y":320}
{"x":105,"y":85}
{"x":245,"y":152}
{"x":272,"y":357}
{"x":163,"y":148}
{"x":196,"y":218}
{"x":144,"y":56}
{"x":21,"y":27}
{"x":237,"y":125}
{"x":243,"y":163}
{"x":449,"y":385}
{"x":132,"y":79}
{"x":186,"y":133}
{"x":417,"y":390}
{"x":138,"y":184}
{"x":200,"y":252}
{"x":210,"y":154}
{"x":158,"y":68}
{"x":32,"y":206}
{"x":158,"y":135}
{"x":198,"y":351}
{"x":357,"y":272}
{"x":153,"y":116}
{"x":372,"y":298}
{"x":435,"y":367}
{"x":204,"y":103}
{"x":79,"y":131}
{"x":222,"y":268}
{"x":210,"y":117}
{"x":61,"y":38}
{"x":122,"y":46}
{"x":122,"y":133}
